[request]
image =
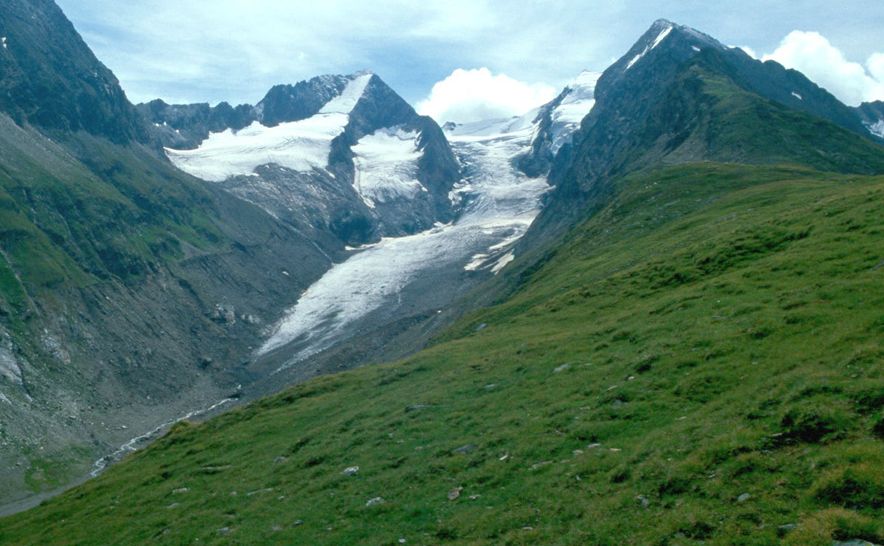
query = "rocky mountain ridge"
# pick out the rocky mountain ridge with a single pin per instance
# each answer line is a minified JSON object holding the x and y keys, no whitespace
{"x":312,"y":157}
{"x":658,"y":103}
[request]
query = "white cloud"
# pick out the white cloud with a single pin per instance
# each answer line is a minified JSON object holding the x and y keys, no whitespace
{"x":477,"y":94}
{"x":748,"y":50}
{"x":875,"y":65}
{"x":194,"y":50}
{"x":813,"y":55}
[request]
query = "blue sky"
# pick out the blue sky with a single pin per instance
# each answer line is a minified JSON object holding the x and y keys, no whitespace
{"x":234,"y":50}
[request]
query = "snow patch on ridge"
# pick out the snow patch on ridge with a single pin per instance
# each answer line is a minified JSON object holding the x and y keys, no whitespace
{"x":346,"y":101}
{"x":503,"y":262}
{"x":579,"y":102}
{"x":660,"y":37}
{"x":877,"y":128}
{"x":387,"y":165}
{"x":300,"y":145}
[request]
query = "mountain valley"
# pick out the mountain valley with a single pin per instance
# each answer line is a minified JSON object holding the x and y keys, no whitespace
{"x":648,"y":311}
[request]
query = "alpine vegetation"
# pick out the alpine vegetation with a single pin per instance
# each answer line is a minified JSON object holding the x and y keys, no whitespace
{"x":647,"y":311}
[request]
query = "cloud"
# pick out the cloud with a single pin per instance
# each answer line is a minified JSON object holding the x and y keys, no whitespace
{"x":875,"y":65}
{"x":813,"y":55}
{"x":748,"y":50}
{"x":184,"y":51}
{"x":477,"y":94}
{"x":181,"y":51}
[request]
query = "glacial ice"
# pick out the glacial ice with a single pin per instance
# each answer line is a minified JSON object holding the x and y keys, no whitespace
{"x":299,"y":145}
{"x":387,"y":166}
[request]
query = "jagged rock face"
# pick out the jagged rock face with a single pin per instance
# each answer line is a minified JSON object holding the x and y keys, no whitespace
{"x":343,"y":155}
{"x":557,"y":121}
{"x":666,"y":46}
{"x":185,"y":126}
{"x":300,"y":101}
{"x":50,"y":79}
{"x":383,"y":128}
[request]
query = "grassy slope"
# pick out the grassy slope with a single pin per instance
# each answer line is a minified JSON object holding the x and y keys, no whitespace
{"x":717,"y":330}
{"x":743,"y":127}
{"x":115,"y":255}
{"x":64,"y":224}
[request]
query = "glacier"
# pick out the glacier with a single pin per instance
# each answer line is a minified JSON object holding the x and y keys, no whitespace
{"x":387,"y":166}
{"x":299,"y":145}
{"x":498,"y":204}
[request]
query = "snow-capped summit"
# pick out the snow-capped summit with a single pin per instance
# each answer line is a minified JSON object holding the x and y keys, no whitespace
{"x":681,"y":40}
{"x":666,"y":47}
{"x":339,"y":154}
{"x":301,"y":145}
{"x":285,"y":103}
{"x":549,"y":127}
{"x":497,"y":202}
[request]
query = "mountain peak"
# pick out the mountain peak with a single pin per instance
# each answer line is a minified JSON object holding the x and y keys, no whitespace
{"x":665,"y":25}
{"x":662,"y":24}
{"x":680,"y":41}
{"x":50,"y":78}
{"x":653,"y":103}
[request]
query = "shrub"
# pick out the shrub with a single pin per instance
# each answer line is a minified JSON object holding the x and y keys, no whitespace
{"x":860,"y":486}
{"x":814,"y":422}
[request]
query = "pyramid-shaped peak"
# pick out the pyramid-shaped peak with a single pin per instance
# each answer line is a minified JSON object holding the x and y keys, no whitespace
{"x":676,"y":40}
{"x":663,"y":28}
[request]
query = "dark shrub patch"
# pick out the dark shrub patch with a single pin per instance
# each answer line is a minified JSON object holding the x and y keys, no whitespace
{"x":859,"y":487}
{"x":878,"y":428}
{"x":813,"y":423}
{"x":697,"y":530}
{"x":870,"y":400}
